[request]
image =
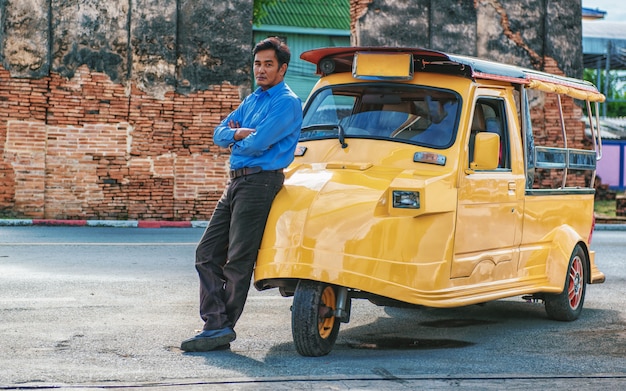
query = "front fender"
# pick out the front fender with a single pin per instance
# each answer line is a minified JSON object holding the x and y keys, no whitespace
{"x":335,"y":225}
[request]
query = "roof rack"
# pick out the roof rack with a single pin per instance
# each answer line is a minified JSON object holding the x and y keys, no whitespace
{"x":340,"y":59}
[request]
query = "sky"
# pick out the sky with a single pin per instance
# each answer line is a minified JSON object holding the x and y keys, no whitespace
{"x":615,"y":9}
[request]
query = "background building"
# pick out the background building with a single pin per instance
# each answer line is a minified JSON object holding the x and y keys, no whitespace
{"x":305,"y":25}
{"x":604,"y":51}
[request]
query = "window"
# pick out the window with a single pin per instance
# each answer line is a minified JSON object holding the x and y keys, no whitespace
{"x":400,"y":113}
{"x":489,"y":116}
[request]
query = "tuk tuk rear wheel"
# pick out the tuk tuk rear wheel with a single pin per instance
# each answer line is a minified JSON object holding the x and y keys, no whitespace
{"x":567,"y":305}
{"x":313,"y":324}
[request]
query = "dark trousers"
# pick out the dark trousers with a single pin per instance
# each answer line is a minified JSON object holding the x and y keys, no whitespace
{"x":227,"y":252}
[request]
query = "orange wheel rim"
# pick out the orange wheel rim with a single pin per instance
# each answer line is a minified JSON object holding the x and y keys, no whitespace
{"x":325,"y":324}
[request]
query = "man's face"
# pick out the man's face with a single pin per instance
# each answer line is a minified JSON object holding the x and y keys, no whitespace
{"x":267,"y":73}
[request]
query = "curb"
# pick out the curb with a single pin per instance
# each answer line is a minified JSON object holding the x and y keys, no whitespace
{"x":610,"y":227}
{"x":102,"y":223}
{"x":167,"y":224}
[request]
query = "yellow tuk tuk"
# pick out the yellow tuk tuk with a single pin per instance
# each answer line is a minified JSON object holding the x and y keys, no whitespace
{"x":413,"y":182}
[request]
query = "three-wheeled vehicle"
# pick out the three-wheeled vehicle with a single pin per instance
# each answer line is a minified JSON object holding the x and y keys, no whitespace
{"x":414,"y":182}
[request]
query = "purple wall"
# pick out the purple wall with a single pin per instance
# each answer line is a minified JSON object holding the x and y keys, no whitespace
{"x":610,"y":168}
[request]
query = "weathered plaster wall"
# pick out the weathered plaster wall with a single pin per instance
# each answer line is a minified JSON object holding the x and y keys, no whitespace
{"x":107,"y":107}
{"x":520,"y":32}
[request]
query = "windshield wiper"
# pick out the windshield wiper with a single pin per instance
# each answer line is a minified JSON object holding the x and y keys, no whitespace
{"x":313,"y":128}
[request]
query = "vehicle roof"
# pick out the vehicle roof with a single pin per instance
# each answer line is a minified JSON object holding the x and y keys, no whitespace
{"x":427,"y":60}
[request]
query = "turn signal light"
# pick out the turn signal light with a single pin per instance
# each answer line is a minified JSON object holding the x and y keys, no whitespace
{"x":406,"y":199}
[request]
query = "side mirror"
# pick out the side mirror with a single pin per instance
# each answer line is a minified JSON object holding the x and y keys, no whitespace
{"x":486,"y":151}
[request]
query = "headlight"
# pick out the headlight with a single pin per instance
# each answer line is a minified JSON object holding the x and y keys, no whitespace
{"x":406,"y":199}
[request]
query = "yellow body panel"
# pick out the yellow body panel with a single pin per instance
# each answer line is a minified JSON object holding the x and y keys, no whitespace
{"x":476,"y":236}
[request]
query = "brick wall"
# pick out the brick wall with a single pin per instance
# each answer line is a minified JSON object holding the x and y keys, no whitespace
{"x":86,"y":148}
{"x":547,"y":131}
{"x":107,"y":108}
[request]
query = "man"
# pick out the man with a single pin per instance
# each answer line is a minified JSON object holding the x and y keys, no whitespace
{"x":262,"y":134}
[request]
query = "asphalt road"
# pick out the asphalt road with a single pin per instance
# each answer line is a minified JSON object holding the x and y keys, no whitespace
{"x":107,"y":308}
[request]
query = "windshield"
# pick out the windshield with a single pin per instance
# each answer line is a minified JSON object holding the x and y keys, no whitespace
{"x":402,"y":113}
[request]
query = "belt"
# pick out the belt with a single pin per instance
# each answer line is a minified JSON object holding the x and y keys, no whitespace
{"x":249,"y":171}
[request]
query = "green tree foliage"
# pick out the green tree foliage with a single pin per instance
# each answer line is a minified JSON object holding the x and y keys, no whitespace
{"x":259,"y":10}
{"x":616,"y":96}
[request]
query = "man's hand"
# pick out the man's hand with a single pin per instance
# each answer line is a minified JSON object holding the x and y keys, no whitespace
{"x":240,"y":133}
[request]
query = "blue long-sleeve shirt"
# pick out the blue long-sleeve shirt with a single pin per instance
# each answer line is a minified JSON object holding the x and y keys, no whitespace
{"x":276,"y":116}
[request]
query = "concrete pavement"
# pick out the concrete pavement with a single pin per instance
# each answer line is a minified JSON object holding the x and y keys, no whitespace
{"x":106,"y":308}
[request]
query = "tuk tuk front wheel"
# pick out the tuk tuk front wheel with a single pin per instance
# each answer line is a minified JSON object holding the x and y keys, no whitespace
{"x":313,"y":323}
{"x":567,"y":305}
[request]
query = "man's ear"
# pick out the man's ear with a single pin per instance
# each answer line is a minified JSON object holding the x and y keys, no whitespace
{"x":283,"y":69}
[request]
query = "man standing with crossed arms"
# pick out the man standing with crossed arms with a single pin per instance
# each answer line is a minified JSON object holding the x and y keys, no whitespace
{"x":262,"y":134}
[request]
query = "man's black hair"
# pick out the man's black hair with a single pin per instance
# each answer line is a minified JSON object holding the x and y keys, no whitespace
{"x":283,"y":54}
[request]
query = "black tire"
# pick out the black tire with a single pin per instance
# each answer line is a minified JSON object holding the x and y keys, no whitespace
{"x":567,"y":305}
{"x":313,"y":324}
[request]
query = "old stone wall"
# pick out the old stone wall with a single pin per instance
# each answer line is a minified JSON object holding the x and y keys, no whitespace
{"x":527,"y":33}
{"x":107,"y":107}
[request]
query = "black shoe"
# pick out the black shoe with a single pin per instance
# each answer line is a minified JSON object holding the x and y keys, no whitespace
{"x":209,"y":340}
